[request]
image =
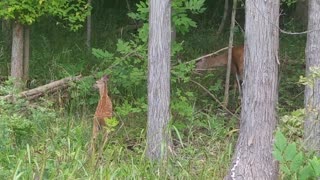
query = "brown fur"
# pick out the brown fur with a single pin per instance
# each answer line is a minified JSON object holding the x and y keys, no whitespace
{"x":222,"y":60}
{"x":104,"y":108}
{"x":103,"y":112}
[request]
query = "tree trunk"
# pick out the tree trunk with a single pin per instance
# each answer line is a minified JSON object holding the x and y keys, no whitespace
{"x":312,"y":94}
{"x":17,"y":55}
{"x":224,"y":18}
{"x":89,"y":28}
{"x":26,"y":53}
{"x":226,"y":90}
{"x":253,"y":155}
{"x":158,"y":138}
{"x":301,"y":12}
{"x":6,"y":32}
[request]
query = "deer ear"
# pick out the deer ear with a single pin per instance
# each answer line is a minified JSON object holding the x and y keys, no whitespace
{"x":105,"y":78}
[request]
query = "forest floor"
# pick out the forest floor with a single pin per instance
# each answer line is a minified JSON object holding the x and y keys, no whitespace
{"x":50,"y":138}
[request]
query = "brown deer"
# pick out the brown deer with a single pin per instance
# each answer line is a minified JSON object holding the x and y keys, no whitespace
{"x":222,"y":60}
{"x":103,"y":111}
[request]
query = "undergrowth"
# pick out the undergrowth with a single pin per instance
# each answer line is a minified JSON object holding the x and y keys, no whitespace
{"x":50,"y":138}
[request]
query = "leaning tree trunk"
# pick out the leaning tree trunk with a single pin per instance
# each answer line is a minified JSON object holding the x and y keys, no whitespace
{"x":253,"y":155}
{"x":17,"y":55}
{"x":312,"y":94}
{"x":158,"y":138}
{"x":226,"y":89}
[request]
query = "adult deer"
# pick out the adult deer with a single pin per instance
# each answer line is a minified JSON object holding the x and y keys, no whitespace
{"x":222,"y":60}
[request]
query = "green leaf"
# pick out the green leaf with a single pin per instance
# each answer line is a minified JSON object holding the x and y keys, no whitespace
{"x":306,"y":173}
{"x":296,"y":162}
{"x":290,"y":152}
{"x":278,"y":155}
{"x":281,"y":141}
{"x":101,"y":54}
{"x":112,"y":122}
{"x":315,"y":163}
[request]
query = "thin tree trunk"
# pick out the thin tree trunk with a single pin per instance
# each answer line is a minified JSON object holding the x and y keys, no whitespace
{"x":301,"y":12}
{"x":312,"y":94}
{"x":226,"y":90}
{"x":17,"y":55}
{"x":253,"y":154}
{"x":158,"y":137}
{"x":224,"y":18}
{"x":89,"y":28}
{"x":26,"y":53}
{"x":6,"y":32}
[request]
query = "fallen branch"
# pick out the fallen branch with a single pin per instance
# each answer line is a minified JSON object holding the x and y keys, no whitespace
{"x":45,"y":89}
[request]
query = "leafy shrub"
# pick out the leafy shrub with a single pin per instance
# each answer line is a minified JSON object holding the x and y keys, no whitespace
{"x":292,"y":125}
{"x":294,"y":163}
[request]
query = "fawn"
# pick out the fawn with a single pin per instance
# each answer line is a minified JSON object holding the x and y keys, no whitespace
{"x":103,"y":111}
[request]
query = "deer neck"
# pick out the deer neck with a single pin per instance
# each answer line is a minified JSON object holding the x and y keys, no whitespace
{"x":103,"y":92}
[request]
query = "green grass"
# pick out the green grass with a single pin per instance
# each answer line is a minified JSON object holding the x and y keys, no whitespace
{"x":51,"y":145}
{"x":51,"y":140}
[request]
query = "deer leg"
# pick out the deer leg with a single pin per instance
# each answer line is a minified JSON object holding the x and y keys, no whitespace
{"x":95,"y":129}
{"x":239,"y":85}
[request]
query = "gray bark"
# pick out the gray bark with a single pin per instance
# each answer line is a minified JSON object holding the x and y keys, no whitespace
{"x":233,"y":17}
{"x":253,"y":155}
{"x":224,"y":18}
{"x":6,"y":32}
{"x":301,"y":12}
{"x":89,"y":28}
{"x":158,"y":138}
{"x":312,"y":94}
{"x":26,"y":53}
{"x":17,"y":55}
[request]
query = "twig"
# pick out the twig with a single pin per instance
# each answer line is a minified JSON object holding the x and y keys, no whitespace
{"x":216,"y":99}
{"x":208,"y":55}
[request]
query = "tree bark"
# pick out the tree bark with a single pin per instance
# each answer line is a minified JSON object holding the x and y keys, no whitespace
{"x":158,"y":138}
{"x":301,"y":12}
{"x":45,"y":89}
{"x":253,"y":155}
{"x":17,"y":55}
{"x":312,"y":94}
{"x":224,"y":18}
{"x":6,"y":32}
{"x":26,"y":53}
{"x":89,"y":28}
{"x":226,"y":90}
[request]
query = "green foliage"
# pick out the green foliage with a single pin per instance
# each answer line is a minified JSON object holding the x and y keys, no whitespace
{"x":292,"y":125}
{"x":180,"y":10}
{"x":294,"y":163}
{"x":130,"y":68}
{"x":27,"y":12}
{"x":311,"y":78}
{"x":289,"y":2}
